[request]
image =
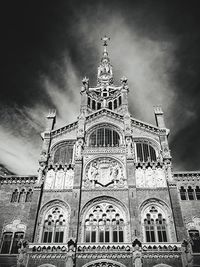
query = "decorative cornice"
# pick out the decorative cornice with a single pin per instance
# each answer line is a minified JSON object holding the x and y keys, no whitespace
{"x":13,"y":179}
{"x":187,"y":176}
{"x":110,"y":150}
{"x":66,"y":128}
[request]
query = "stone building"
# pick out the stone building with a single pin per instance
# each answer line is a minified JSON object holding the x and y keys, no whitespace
{"x":105,"y":194}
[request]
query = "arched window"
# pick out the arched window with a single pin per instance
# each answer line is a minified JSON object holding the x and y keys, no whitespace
{"x":155,"y":226}
{"x":115,"y":103}
{"x":197,"y":191}
{"x":183,"y":194}
{"x":110,"y":105}
{"x":98,"y":105}
{"x":15,"y":195}
{"x":161,"y":228}
{"x":93,"y":104}
{"x":104,"y":137}
{"x":64,"y":153}
{"x":120,"y":100}
{"x":29,"y":195}
{"x":145,"y":152}
{"x":190,"y":193}
{"x":54,"y":226}
{"x":22,"y":196}
{"x":104,"y":223}
{"x":10,"y":241}
{"x":12,"y":233}
{"x":88,"y":101}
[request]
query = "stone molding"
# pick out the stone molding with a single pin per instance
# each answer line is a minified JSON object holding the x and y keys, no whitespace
{"x":13,"y":179}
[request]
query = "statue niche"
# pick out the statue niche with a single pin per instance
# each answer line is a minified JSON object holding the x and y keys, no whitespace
{"x":104,"y":172}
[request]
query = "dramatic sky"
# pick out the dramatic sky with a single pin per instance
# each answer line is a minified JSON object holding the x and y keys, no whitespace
{"x":49,"y":46}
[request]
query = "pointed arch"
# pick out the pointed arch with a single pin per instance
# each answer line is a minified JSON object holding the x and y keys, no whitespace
{"x":104,"y":263}
{"x":157,"y":221}
{"x":105,"y":219}
{"x":53,"y":222}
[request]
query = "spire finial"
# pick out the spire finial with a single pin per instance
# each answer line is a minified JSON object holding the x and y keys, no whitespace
{"x":105,"y":40}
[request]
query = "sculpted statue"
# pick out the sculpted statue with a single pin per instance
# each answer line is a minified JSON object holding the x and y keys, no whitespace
{"x":50,"y":179}
{"x":22,"y":257}
{"x":115,"y":171}
{"x":59,"y":181}
{"x":137,"y":253}
{"x":69,"y":178}
{"x":104,"y":68}
{"x":79,"y":145}
{"x":128,"y":145}
{"x":93,"y":171}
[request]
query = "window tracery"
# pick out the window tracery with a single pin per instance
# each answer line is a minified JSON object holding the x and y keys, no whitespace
{"x":145,"y":152}
{"x":104,"y":223}
{"x":55,"y":225}
{"x":104,"y":137}
{"x":155,"y":224}
{"x":63,"y":153}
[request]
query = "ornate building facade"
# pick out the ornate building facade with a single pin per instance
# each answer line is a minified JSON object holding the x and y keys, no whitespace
{"x":105,"y":194}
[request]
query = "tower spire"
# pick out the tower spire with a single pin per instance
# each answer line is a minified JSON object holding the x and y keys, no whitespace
{"x":105,"y":40}
{"x":105,"y":74}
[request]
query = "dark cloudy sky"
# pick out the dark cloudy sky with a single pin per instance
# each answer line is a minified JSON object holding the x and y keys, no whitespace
{"x":48,"y":46}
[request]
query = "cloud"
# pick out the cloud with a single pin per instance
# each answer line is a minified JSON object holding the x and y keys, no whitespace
{"x":20,"y":128}
{"x":65,"y":98}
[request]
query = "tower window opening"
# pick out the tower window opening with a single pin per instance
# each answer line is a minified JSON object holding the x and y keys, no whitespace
{"x":98,"y":105}
{"x":145,"y":152}
{"x":120,"y":100}
{"x":183,"y":194}
{"x":104,"y":137}
{"x":93,"y":105}
{"x":89,"y":101}
{"x":110,"y":105}
{"x":115,"y":103}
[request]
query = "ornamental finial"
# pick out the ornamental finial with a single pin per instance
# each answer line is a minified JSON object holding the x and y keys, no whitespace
{"x":105,"y":40}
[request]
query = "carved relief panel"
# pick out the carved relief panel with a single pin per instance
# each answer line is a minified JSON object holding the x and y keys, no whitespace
{"x":59,"y":179}
{"x":150,"y":176}
{"x":103,"y":172}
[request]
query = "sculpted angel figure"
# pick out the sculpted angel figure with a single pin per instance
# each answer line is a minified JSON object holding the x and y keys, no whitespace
{"x":93,"y":171}
{"x":115,"y":170}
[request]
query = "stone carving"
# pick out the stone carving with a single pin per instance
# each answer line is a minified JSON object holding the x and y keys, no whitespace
{"x":103,"y":172}
{"x":129,"y":146}
{"x":50,"y":179}
{"x":22,"y":257}
{"x":42,"y":163}
{"x":137,"y":253}
{"x":59,"y":179}
{"x":69,"y":179}
{"x":150,"y":176}
{"x":187,"y":253}
{"x":79,"y":146}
